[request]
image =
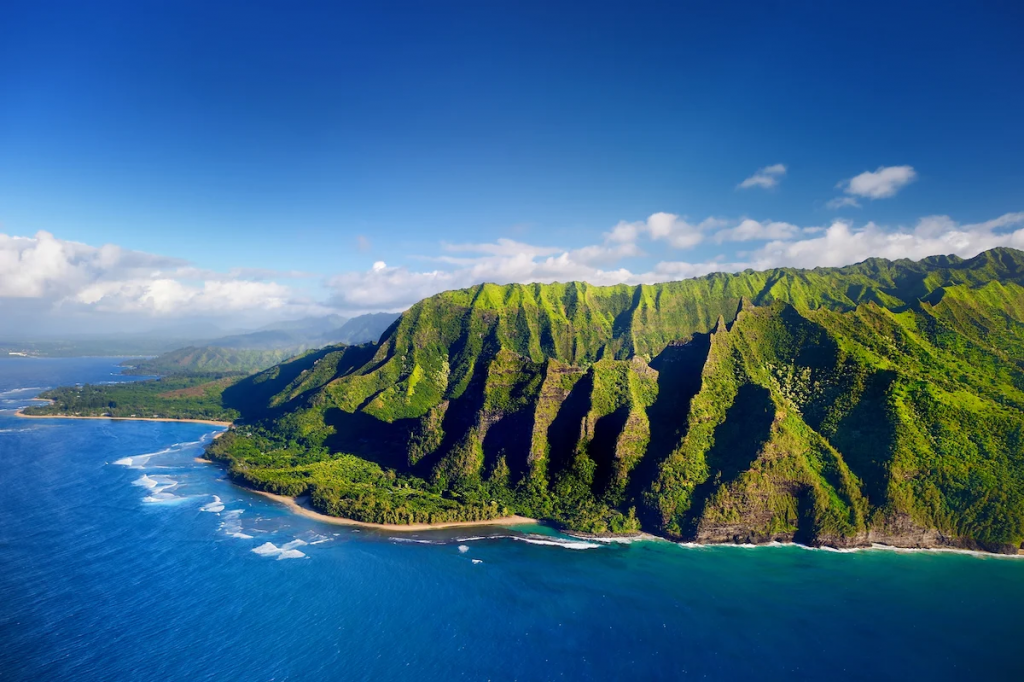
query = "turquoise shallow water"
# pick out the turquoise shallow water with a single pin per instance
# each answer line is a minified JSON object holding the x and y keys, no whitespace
{"x":145,"y":570}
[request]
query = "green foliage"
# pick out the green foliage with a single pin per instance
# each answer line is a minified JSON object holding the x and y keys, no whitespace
{"x":208,"y":359}
{"x":881,"y":401}
{"x":340,"y":484}
{"x":195,"y":396}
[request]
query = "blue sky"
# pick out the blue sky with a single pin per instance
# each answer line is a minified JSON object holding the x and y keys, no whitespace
{"x":385,"y":151}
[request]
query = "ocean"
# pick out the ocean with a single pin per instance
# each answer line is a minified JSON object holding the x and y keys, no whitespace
{"x":123,"y":558}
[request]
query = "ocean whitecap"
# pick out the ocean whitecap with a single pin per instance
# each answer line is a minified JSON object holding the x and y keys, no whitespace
{"x":232,"y":525}
{"x":145,"y":482}
{"x":285,"y":551}
{"x":556,"y":542}
{"x":215,"y":506}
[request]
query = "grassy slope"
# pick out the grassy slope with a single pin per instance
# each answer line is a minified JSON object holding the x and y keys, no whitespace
{"x":878,"y":401}
{"x":209,"y":359}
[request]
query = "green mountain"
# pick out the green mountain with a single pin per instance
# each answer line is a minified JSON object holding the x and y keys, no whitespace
{"x":208,"y":359}
{"x":251,"y":352}
{"x":880,"y":402}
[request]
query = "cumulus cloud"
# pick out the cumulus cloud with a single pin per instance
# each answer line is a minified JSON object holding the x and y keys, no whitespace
{"x":841,"y":243}
{"x":749,"y":230}
{"x":49,"y":273}
{"x":678,"y":232}
{"x":880,"y":184}
{"x":766,"y":177}
{"x":110,"y":279}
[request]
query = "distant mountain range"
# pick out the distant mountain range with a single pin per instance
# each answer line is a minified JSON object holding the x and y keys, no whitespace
{"x":260,"y":349}
{"x":279,"y":340}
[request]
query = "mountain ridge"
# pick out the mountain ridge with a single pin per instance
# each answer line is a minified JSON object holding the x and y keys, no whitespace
{"x":876,"y":402}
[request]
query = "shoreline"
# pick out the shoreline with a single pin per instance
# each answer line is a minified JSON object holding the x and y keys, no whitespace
{"x":21,"y":413}
{"x":297,"y":506}
{"x":873,"y":547}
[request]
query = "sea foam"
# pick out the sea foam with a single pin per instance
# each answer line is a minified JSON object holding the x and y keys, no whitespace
{"x":158,"y":487}
{"x":533,"y":539}
{"x":232,"y":525}
{"x":215,"y":506}
{"x":285,"y":551}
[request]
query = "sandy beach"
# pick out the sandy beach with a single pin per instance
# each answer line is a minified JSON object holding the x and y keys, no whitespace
{"x":20,"y":413}
{"x":300,"y":506}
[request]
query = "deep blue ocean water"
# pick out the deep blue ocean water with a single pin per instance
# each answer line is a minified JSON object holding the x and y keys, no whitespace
{"x":122,"y":558}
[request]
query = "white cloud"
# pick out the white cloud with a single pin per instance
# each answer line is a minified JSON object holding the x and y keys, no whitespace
{"x":840,"y":202}
{"x":841,"y":243}
{"x":67,"y":274}
{"x":53,"y":274}
{"x":880,"y":184}
{"x":749,"y":230}
{"x":678,"y":232}
{"x":766,"y":177}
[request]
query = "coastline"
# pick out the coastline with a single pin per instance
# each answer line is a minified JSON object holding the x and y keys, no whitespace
{"x":21,"y":413}
{"x":300,"y":506}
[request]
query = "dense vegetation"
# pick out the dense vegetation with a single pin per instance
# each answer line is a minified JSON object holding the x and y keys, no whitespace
{"x":878,"y":402}
{"x":207,"y":359}
{"x":195,"y":396}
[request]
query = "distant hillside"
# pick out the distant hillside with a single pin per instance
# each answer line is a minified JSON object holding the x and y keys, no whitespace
{"x":362,"y":329}
{"x":247,"y":353}
{"x":311,"y":333}
{"x":208,"y":360}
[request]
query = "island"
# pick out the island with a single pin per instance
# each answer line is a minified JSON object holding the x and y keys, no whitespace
{"x":881,"y":402}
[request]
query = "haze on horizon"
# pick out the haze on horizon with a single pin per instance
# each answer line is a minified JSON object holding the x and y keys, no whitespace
{"x":191,"y":165}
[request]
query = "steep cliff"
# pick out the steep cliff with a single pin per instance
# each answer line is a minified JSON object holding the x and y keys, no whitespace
{"x":878,"y":402}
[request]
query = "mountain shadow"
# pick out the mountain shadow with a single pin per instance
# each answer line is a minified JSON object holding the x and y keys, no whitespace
{"x":564,"y":431}
{"x":738,"y":441}
{"x":866,"y":435}
{"x":602,"y":449}
{"x":463,"y":413}
{"x":252,"y":395}
{"x":358,"y":433}
{"x":510,"y":437}
{"x":680,"y":368}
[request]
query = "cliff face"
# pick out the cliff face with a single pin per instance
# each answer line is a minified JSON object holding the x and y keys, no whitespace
{"x":879,"y":402}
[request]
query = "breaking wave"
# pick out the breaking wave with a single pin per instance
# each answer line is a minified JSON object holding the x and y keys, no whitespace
{"x":533,"y":539}
{"x":215,"y":506}
{"x":232,"y":525}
